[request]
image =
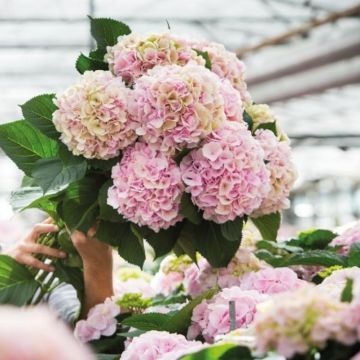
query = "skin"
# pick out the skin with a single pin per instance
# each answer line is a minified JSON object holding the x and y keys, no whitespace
{"x":97,"y":260}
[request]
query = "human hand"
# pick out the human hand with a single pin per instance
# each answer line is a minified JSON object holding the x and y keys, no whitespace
{"x":24,"y":251}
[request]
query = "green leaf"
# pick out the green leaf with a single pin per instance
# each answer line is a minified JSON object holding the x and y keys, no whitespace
{"x":53,"y":174}
{"x":268,"y":225}
{"x":39,"y":111}
{"x":86,"y":63}
{"x":205,"y":55}
{"x":107,"y":212}
{"x":147,"y":322}
{"x":268,"y":126}
{"x":248,"y":119}
{"x":354,"y":255}
{"x":347,"y":293}
{"x":25,"y":145}
{"x":112,"y":233}
{"x":181,"y":320}
{"x":163,"y":241}
{"x":17,"y":283}
{"x":79,"y":209}
{"x":277,"y":247}
{"x":232,"y":230}
{"x":186,"y":240}
{"x":33,"y":197}
{"x":108,"y":356}
{"x":313,"y":239}
{"x":227,"y":351}
{"x":211,"y":243}
{"x":104,"y":165}
{"x":189,"y":210}
{"x":107,"y":31}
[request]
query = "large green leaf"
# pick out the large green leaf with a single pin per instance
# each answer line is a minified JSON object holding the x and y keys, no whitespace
{"x":38,"y":112}
{"x":221,"y":352}
{"x":79,"y":208}
{"x":189,"y":210}
{"x":54,"y":174}
{"x":232,"y":230}
{"x":268,"y":225}
{"x":25,"y":145}
{"x":268,"y":126}
{"x":212,"y":244}
{"x":107,"y":212}
{"x":17,"y":283}
{"x":163,"y":241}
{"x":313,"y":239}
{"x":186,"y":241}
{"x":108,"y":356}
{"x":129,"y":243}
{"x":86,"y":63}
{"x":106,"y":31}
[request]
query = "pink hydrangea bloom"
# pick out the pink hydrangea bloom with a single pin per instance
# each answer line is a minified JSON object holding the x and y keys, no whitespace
{"x":147,"y":187}
{"x":282,"y":170}
{"x":226,"y":65}
{"x":36,"y":334}
{"x":101,"y":321}
{"x":211,"y":317}
{"x":293,"y":322}
{"x":271,"y":281}
{"x":227,"y":176}
{"x":232,"y":102}
{"x":348,"y":238}
{"x":154,"y":344}
{"x":176,"y":107}
{"x":92,"y":116}
{"x":133,"y":56}
{"x":356,"y":357}
{"x":167,"y":283}
{"x":199,"y":278}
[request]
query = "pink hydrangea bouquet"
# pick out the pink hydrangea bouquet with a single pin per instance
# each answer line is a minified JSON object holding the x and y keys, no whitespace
{"x":158,"y":140}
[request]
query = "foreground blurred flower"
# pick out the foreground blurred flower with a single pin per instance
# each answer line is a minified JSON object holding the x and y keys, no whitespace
{"x":133,"y":56}
{"x":348,"y":238}
{"x":212,"y":317}
{"x":93,"y":117}
{"x":294,"y":322}
{"x":147,"y":188}
{"x":176,"y":107}
{"x":154,"y":344}
{"x":101,"y":321}
{"x":227,"y":176}
{"x":282,"y":173}
{"x":35,"y":334}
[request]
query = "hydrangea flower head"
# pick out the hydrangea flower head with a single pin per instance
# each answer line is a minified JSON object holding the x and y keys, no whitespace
{"x":93,"y":118}
{"x":227,"y":176}
{"x":147,"y":187}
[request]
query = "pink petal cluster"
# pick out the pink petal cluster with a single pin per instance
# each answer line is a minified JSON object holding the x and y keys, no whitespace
{"x":152,"y":345}
{"x":282,"y":172}
{"x":227,"y":177}
{"x":134,"y":286}
{"x":212,"y":317}
{"x":147,"y":187}
{"x":133,"y":56}
{"x":226,"y":65}
{"x":232,"y":102}
{"x":176,"y":107}
{"x":101,"y":321}
{"x":271,"y":281}
{"x":347,"y":239}
{"x":36,"y":334}
{"x":293,"y":322}
{"x":92,"y":116}
{"x":199,"y":278}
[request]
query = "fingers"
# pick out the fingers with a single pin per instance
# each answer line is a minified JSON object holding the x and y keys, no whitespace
{"x":78,"y":238}
{"x":35,"y":263}
{"x":49,"y":220}
{"x":92,"y":231}
{"x":46,"y":250}
{"x":39,"y":229}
